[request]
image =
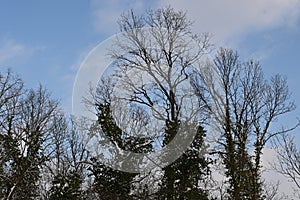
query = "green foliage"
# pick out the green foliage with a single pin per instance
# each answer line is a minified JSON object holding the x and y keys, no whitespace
{"x":110,"y":183}
{"x":35,"y":137}
{"x":26,"y":118}
{"x":66,"y":186}
{"x":183,"y":177}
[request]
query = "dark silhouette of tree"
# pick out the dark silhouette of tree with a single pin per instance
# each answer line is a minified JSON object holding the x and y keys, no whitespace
{"x":160,"y":92}
{"x":66,"y":186}
{"x":38,"y":148}
{"x":246,"y":105}
{"x":182,"y":178}
{"x":110,"y":183}
{"x":165,"y":52}
{"x":68,"y":163}
{"x":288,"y":159}
{"x":26,"y":123}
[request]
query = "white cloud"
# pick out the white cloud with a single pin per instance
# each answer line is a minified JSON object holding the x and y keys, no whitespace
{"x":12,"y":51}
{"x":230,"y":19}
{"x":272,"y":176}
{"x":9,"y":50}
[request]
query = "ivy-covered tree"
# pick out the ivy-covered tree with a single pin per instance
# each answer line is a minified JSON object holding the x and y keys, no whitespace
{"x":166,"y":54}
{"x":67,"y":186}
{"x":246,"y":106}
{"x":184,"y":178}
{"x":27,"y":119}
{"x":110,"y":183}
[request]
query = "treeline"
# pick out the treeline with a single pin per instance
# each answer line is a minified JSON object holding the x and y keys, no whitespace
{"x":44,"y":157}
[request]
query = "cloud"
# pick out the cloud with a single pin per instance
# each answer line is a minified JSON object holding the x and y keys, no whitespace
{"x":230,"y":19}
{"x":12,"y":51}
{"x":9,"y":50}
{"x":272,"y":176}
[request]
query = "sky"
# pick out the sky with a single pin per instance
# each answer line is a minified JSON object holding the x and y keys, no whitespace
{"x":45,"y":41}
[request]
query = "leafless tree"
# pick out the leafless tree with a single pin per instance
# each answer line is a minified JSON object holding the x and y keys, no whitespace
{"x":271,"y":191}
{"x":11,"y":87}
{"x":155,"y":58}
{"x":288,"y":159}
{"x":154,"y":83}
{"x":55,"y":152}
{"x":245,"y":107}
{"x":66,"y":160}
{"x":26,"y":122}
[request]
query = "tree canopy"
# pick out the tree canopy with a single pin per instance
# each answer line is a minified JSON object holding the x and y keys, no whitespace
{"x":162,"y":86}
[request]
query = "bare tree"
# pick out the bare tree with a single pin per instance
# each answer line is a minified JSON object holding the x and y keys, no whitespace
{"x":153,"y":92}
{"x":26,"y":122}
{"x":288,"y":160}
{"x":35,"y":140}
{"x":245,"y":107}
{"x":11,"y":87}
{"x":65,"y":170}
{"x":271,"y":191}
{"x":55,"y":152}
{"x":158,"y":62}
{"x":156,"y":59}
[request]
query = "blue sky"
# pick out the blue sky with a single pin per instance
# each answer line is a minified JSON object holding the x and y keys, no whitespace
{"x":45,"y":41}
